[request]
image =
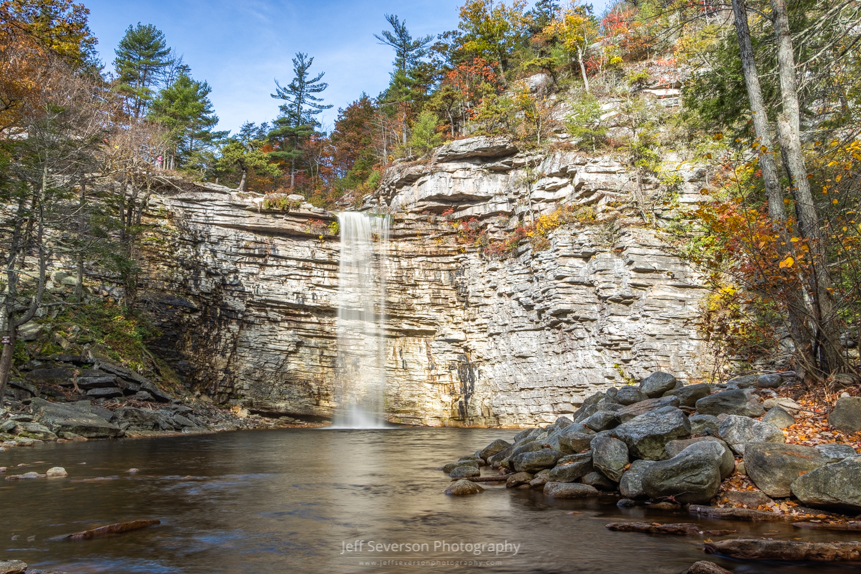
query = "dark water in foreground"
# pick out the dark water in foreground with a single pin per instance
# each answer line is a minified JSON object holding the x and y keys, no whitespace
{"x":288,"y":501}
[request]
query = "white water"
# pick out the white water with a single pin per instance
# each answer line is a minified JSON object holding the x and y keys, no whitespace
{"x":360,"y":364}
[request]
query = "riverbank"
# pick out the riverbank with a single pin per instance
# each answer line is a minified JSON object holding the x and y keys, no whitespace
{"x":758,"y":448}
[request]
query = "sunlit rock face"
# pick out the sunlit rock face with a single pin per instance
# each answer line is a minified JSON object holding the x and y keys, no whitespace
{"x":246,"y":298}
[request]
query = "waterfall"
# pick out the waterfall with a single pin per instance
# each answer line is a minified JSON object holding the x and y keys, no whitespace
{"x":360,"y":367}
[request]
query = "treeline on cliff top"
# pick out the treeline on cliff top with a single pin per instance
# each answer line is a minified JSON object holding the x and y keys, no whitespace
{"x":770,"y":94}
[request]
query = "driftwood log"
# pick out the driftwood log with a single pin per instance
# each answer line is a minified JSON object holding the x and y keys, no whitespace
{"x":786,"y":550}
{"x":109,"y":530}
{"x":676,"y":529}
{"x":744,"y":514}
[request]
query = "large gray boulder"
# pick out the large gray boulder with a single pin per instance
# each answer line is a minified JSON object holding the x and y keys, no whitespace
{"x":737,"y":431}
{"x":846,"y":416}
{"x":835,"y":452}
{"x":779,"y":418}
{"x":692,"y":476}
{"x":743,"y":382}
{"x":773,"y":467}
{"x":465,"y":471}
{"x":553,"y":440}
{"x":575,"y":442}
{"x":704,"y":424}
{"x":771,"y":381}
{"x":647,"y":434}
{"x":572,"y":467}
{"x":535,"y":461}
{"x":476,"y":147}
{"x":132,"y":419}
{"x":656,"y":384}
{"x":493,"y":448}
{"x":609,"y":456}
{"x":631,"y":484}
{"x":599,"y":481}
{"x":569,"y":490}
{"x":629,"y":395}
{"x":834,"y":485}
{"x":33,"y":430}
{"x":690,"y":394}
{"x":65,"y":418}
{"x":463,"y":487}
{"x":601,"y":420}
{"x":733,"y":402}
{"x":627,"y":413}
{"x":725,"y":459}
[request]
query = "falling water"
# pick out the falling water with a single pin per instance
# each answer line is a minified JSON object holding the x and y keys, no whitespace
{"x":361,"y":312}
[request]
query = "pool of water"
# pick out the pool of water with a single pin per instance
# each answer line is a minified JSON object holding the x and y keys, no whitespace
{"x":293,"y":500}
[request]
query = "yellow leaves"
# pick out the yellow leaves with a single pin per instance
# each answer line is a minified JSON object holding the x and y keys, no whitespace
{"x":835,"y":202}
{"x":717,"y":137}
{"x":838,"y":178}
{"x":787,"y":263}
{"x":795,"y":239}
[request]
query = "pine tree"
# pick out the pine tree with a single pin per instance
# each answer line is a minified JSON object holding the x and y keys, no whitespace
{"x":298,"y":114}
{"x":242,"y":152}
{"x":185,"y":110}
{"x":408,"y":51}
{"x":142,"y":60}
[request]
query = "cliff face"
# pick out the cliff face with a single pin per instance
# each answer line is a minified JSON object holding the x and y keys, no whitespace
{"x":246,"y":298}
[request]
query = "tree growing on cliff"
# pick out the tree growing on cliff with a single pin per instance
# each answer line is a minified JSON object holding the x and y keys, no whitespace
{"x":244,"y":153}
{"x":298,"y":118}
{"x":577,"y":29}
{"x":185,"y":111}
{"x":142,"y":58}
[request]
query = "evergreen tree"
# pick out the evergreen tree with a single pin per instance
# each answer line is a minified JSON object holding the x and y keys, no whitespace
{"x":242,"y":153}
{"x":142,"y":60}
{"x":408,"y":50}
{"x":425,"y":137}
{"x":298,"y":113}
{"x":185,"y":110}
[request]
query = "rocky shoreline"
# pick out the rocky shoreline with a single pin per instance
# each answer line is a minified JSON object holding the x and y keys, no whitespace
{"x":723,"y":451}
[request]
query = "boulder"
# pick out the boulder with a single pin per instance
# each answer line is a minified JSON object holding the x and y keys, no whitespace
{"x":465,"y":471}
{"x":105,"y":393}
{"x":57,"y":472}
{"x":726,"y":460}
{"x":692,"y":476}
{"x":835,"y":485}
{"x":599,"y":481}
{"x":133,"y":419}
{"x":96,"y":380}
{"x":779,"y":418}
{"x":750,"y":498}
{"x":609,"y":456}
{"x":647,"y":434}
{"x":704,"y":424}
{"x":68,"y":419}
{"x":769,"y":381}
{"x":58,"y":376}
{"x":601,"y":420}
{"x":12,"y":567}
{"x":575,"y":442}
{"x":743,"y":382}
{"x":690,"y":394}
{"x":493,"y":448}
{"x":572,"y":467}
{"x":476,"y":147}
{"x":569,"y":490}
{"x":518,"y":479}
{"x":463,"y":487}
{"x":656,"y":384}
{"x":627,"y":413}
{"x":731,"y":402}
{"x":846,"y":416}
{"x":453,"y":465}
{"x":631,"y":484}
{"x":33,"y":430}
{"x":143,"y":396}
{"x":156,"y":392}
{"x":542,"y":478}
{"x":553,"y":440}
{"x":706,"y":567}
{"x":532,"y":446}
{"x":737,"y":431}
{"x":773,"y":467}
{"x":834,"y":452}
{"x":786,"y":404}
{"x":535,"y":461}
{"x":629,"y":395}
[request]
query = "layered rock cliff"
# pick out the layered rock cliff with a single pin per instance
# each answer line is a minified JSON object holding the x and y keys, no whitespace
{"x":246,"y":297}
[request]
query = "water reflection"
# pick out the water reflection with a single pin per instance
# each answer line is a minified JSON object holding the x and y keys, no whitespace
{"x":279,"y":501}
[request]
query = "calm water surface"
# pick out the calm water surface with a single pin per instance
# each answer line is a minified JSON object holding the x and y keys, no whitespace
{"x":289,"y":500}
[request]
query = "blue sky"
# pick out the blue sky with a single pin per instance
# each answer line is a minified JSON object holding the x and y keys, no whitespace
{"x":241,"y":46}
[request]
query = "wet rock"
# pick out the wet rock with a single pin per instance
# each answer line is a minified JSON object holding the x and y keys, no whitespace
{"x":601,"y":420}
{"x":769,"y":381}
{"x":835,"y":485}
{"x":453,"y":465}
{"x":569,"y":490}
{"x":706,"y":567}
{"x":535,"y":461}
{"x":465,"y":471}
{"x":656,"y":384}
{"x":133,"y":419}
{"x":631,"y":484}
{"x":692,"y":476}
{"x":725,"y":459}
{"x":493,"y":448}
{"x":57,"y":472}
{"x":599,"y":481}
{"x":33,"y":430}
{"x":647,"y":434}
{"x":105,"y":393}
{"x":609,"y":456}
{"x":25,"y":476}
{"x":626,"y":503}
{"x":690,"y":394}
{"x":835,"y":452}
{"x":462,"y":488}
{"x":542,"y":478}
{"x":68,"y":419}
{"x":733,"y":402}
{"x":774,"y":467}
{"x":846,"y":416}
{"x":571,"y":468}
{"x":751,"y":499}
{"x":519,"y":479}
{"x":12,"y":567}
{"x":704,"y":424}
{"x":631,"y":411}
{"x":629,"y":395}
{"x":779,"y":418}
{"x":737,"y":431}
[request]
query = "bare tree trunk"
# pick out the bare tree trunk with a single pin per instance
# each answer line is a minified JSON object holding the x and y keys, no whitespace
{"x":580,"y":54}
{"x":796,"y":307}
{"x":789,"y":127}
{"x":242,"y":181}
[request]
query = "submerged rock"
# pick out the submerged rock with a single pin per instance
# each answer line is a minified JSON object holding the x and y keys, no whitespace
{"x":12,"y":567}
{"x":463,"y":487}
{"x":57,"y":472}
